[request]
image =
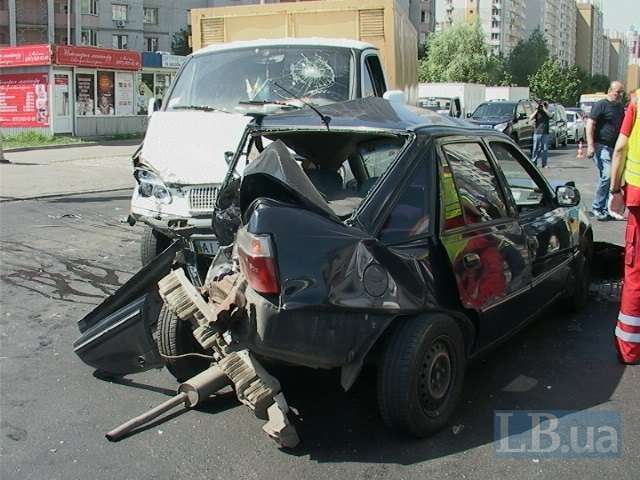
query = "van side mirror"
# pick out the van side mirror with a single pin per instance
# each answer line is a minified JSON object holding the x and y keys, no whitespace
{"x":468,"y":115}
{"x":154,"y":105}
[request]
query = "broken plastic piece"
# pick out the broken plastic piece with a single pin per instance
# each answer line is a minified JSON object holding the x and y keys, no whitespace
{"x":278,"y":427}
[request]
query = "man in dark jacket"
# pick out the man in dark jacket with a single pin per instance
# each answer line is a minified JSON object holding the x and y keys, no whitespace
{"x":603,"y":127}
{"x":540,"y":118}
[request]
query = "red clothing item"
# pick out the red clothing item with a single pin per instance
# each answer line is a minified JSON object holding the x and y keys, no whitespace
{"x":628,"y":326}
{"x":629,"y":119}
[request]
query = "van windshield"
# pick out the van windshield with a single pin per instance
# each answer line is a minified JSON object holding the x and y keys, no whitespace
{"x":221,"y":80}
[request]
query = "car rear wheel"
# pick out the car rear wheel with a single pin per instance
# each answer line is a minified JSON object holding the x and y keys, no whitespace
{"x":421,"y":375}
{"x":174,"y":339}
{"x":152,"y":244}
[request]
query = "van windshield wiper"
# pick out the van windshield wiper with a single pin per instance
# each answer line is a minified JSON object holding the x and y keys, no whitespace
{"x":203,"y":108}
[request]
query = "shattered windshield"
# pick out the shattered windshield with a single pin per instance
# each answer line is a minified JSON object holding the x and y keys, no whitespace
{"x":222,"y":80}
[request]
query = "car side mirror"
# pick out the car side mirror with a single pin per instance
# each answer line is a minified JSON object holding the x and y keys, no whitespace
{"x":522,"y":116}
{"x":568,"y":196}
{"x":468,"y":114}
{"x":228,"y":157}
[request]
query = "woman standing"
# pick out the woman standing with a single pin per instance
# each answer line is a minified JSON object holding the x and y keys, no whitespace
{"x":626,"y":169}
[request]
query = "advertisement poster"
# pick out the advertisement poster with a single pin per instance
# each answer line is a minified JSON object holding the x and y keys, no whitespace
{"x":145,"y":92}
{"x":124,"y":93}
{"x":84,"y":94}
{"x":23,"y":100}
{"x":97,"y":57}
{"x":25,"y":55}
{"x":106,"y":94}
{"x":61,"y":95}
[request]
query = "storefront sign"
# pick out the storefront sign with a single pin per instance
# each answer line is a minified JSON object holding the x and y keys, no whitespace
{"x":124,"y":93}
{"x":26,"y":55}
{"x":84,"y":93}
{"x":172,"y":61}
{"x":23,"y":100}
{"x":97,"y":57}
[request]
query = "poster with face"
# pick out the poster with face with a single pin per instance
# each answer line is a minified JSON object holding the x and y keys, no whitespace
{"x":106,"y":94}
{"x":84,"y":94}
{"x":24,"y":100}
{"x":124,"y":93}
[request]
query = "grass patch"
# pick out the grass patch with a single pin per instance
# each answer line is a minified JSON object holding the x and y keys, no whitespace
{"x":34,"y":139}
{"x":124,"y":136}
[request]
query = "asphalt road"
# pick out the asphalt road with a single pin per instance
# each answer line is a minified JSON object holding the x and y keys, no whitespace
{"x":61,"y":256}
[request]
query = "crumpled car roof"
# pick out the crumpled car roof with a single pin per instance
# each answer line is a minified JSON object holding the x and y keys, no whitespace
{"x":364,"y":113}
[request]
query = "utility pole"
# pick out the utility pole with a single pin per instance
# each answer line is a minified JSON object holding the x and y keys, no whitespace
{"x":68,"y":22}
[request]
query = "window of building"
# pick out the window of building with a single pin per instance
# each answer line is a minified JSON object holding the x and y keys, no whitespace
{"x":4,"y":5}
{"x":423,"y":16}
{"x":151,"y":44}
{"x":477,"y":183}
{"x":151,"y":16}
{"x":119,"y":12}
{"x":120,"y":41}
{"x":89,"y":7}
{"x":89,"y":37}
{"x":495,"y":36}
{"x":60,"y":6}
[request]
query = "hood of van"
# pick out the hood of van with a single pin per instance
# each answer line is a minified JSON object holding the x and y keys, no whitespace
{"x":187,"y":147}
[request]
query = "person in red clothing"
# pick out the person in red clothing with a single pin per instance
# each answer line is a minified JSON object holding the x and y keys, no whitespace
{"x":625,"y":190}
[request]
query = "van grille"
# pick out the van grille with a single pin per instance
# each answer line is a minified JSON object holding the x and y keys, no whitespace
{"x":212,"y":31}
{"x":372,"y":23}
{"x":202,"y":199}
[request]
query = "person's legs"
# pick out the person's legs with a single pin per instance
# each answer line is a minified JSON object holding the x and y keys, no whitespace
{"x":628,"y":326}
{"x":537,"y":144}
{"x":545,"y":148}
{"x":602,"y":159}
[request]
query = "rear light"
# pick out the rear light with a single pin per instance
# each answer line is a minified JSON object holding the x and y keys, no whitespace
{"x":257,"y":262}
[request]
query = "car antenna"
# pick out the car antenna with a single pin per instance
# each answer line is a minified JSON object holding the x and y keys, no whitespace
{"x":325,"y":118}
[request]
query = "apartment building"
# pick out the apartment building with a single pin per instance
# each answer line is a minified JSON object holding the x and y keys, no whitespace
{"x":618,"y":56}
{"x":427,"y":18}
{"x":590,"y":38}
{"x":503,"y":21}
{"x":556,"y":19}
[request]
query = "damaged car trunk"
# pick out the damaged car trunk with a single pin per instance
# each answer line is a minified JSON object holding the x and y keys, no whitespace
{"x":357,"y":232}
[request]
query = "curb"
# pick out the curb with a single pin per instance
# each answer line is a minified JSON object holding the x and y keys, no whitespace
{"x":50,"y":147}
{"x":62,"y":194}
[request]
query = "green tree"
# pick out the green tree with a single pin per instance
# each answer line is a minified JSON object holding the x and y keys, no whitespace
{"x":556,"y":83}
{"x":599,"y":83}
{"x":457,"y":54}
{"x":180,"y":43}
{"x":527,"y":57}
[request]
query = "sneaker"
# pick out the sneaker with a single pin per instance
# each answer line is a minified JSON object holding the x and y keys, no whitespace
{"x":616,"y":216}
{"x":603,"y":217}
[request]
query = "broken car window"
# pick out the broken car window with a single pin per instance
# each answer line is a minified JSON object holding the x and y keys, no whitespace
{"x":222,"y":79}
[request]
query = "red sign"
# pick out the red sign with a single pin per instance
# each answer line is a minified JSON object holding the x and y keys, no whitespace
{"x":24,"y":101}
{"x":25,"y":55}
{"x":97,"y":57}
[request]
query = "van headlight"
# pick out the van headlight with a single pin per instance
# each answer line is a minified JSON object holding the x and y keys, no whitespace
{"x":501,"y":127}
{"x":150,"y":185}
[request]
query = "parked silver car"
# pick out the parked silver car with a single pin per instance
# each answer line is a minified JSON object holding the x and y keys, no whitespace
{"x":557,"y":126}
{"x":575,"y":127}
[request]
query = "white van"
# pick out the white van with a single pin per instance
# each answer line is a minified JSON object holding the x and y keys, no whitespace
{"x":200,"y":122}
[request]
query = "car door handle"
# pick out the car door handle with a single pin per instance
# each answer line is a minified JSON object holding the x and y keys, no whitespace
{"x":471,"y":260}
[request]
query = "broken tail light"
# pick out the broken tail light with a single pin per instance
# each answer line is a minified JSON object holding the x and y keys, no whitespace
{"x":258,"y":262}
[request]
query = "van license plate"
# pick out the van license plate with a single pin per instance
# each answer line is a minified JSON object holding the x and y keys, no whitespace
{"x":206,"y":247}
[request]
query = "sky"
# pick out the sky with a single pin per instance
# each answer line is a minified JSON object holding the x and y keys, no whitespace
{"x":621,"y":14}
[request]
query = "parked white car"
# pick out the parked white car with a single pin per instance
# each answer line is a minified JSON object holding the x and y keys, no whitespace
{"x":575,"y":127}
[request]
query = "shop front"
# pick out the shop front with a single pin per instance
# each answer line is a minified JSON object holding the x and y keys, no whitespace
{"x":158,"y":71}
{"x":56,"y":89}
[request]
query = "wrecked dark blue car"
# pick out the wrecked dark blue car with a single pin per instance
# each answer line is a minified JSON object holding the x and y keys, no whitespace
{"x":357,"y":233}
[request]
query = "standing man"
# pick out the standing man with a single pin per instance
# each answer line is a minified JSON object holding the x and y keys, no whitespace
{"x":540,"y":118}
{"x":626,"y":171}
{"x":603,"y":127}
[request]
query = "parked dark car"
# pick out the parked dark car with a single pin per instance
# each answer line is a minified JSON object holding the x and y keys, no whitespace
{"x":375,"y":235}
{"x":509,"y":117}
{"x":558,"y":133}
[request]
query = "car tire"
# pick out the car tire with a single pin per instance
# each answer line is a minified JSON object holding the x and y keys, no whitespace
{"x":176,"y":338}
{"x":421,"y":376}
{"x":578,"y":298}
{"x":152,"y":244}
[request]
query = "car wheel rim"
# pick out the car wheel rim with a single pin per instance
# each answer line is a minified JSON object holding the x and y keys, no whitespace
{"x":436,"y":376}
